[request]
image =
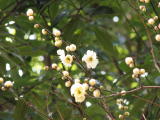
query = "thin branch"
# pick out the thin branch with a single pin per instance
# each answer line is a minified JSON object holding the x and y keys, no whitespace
{"x":130,"y":91}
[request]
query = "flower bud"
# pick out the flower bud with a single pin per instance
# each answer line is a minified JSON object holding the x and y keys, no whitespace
{"x":31,"y":18}
{"x":65,"y":73}
{"x":142,"y":0}
{"x":157,"y":37}
{"x":128,"y":60}
{"x":131,"y":65}
{"x":134,"y":76}
{"x":72,"y":47}
{"x":46,"y":67}
{"x":96,"y":93}
{"x":125,"y":107}
{"x":29,"y":12}
{"x":67,"y":48}
{"x":151,"y":21}
{"x":121,"y":107}
{"x":3,"y":88}
{"x":86,"y":86}
{"x":156,"y":28}
{"x":8,"y":84}
{"x":155,"y":18}
{"x":1,"y":80}
{"x":58,"y":43}
{"x":54,"y":66}
{"x":126,"y":113}
{"x":92,"y":82}
{"x":36,"y":25}
{"x":68,"y":83}
{"x":57,"y":38}
{"x":44,"y":32}
{"x":136,"y":71}
{"x":121,"y":117}
{"x":123,"y":92}
{"x":56,"y":32}
{"x":91,"y":89}
{"x":77,"y":81}
{"x":142,"y":8}
{"x":147,"y":1}
{"x":142,"y":71}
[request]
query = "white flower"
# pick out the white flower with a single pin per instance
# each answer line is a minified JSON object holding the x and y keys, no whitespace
{"x":60,"y":52}
{"x":67,"y":60}
{"x":78,"y":91}
{"x":8,"y":84}
{"x":90,"y":58}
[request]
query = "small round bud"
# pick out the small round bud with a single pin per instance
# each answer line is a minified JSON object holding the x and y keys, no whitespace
{"x":142,"y":0}
{"x":159,"y":5}
{"x":91,"y":89}
{"x":58,"y":43}
{"x":136,"y":71}
{"x":65,"y":73}
{"x":8,"y":84}
{"x":155,"y":18}
{"x":86,"y":80}
{"x":126,"y":113}
{"x":125,"y":107}
{"x":44,"y":32}
{"x":142,"y":71}
{"x":72,"y":47}
{"x":31,"y":18}
{"x":54,"y":66}
{"x":156,"y":28}
{"x":142,"y":8}
{"x":46,"y":67}
{"x":121,"y":107}
{"x":3,"y":88}
{"x":57,"y":38}
{"x":121,"y":117}
{"x":56,"y":32}
{"x":131,"y":65}
{"x":151,"y":21}
{"x":96,"y":93}
{"x":92,"y":82}
{"x":101,"y":87}
{"x":119,"y":101}
{"x":77,"y":81}
{"x":67,"y":48}
{"x":123,"y":92}
{"x":134,"y":76}
{"x":36,"y":25}
{"x":147,"y":1}
{"x":1,"y":80}
{"x":157,"y":37}
{"x":86,"y":86}
{"x":128,"y":60}
{"x":68,"y":83}
{"x":29,"y":12}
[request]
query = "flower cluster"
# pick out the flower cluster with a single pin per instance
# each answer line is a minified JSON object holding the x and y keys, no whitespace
{"x":67,"y":57}
{"x":30,"y":13}
{"x":153,"y":20}
{"x":5,"y":85}
{"x":122,"y":105}
{"x":136,"y":71}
